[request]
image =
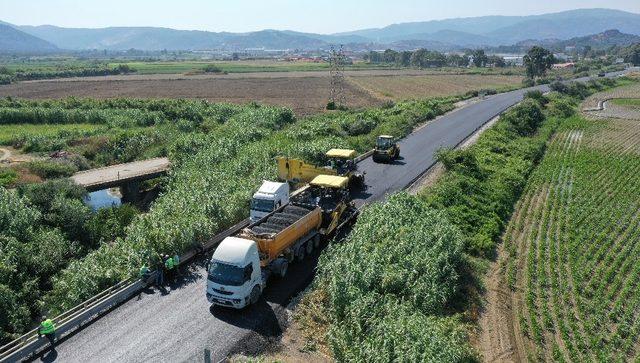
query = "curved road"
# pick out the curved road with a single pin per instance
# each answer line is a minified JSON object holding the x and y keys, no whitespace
{"x":179,"y":324}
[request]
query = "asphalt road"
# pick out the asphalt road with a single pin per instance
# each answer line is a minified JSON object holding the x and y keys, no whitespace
{"x":180,"y":325}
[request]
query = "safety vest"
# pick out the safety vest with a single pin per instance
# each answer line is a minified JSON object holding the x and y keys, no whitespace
{"x":47,"y":327}
{"x":169,"y":263}
{"x":143,"y":271}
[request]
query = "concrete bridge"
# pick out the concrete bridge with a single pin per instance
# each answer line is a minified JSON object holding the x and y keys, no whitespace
{"x":126,"y":176}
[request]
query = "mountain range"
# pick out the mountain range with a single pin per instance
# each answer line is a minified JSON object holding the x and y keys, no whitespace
{"x":446,"y":34}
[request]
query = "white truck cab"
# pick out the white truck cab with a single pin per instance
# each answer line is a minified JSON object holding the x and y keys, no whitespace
{"x":269,"y":197}
{"x":234,"y":274}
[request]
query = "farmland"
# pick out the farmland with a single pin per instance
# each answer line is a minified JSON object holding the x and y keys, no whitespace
{"x":404,"y":87}
{"x":304,"y":92}
{"x":571,"y":247}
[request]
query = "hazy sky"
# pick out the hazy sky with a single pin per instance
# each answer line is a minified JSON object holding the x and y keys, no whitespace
{"x":321,"y":16}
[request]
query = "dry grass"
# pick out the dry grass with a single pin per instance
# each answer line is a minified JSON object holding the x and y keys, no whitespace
{"x":406,"y":86}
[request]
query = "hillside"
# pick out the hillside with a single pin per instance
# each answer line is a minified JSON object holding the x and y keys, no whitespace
{"x":506,"y":30}
{"x":15,"y":41}
{"x":447,"y":34}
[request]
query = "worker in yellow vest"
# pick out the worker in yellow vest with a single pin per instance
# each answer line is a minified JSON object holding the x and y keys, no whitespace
{"x":48,"y":329}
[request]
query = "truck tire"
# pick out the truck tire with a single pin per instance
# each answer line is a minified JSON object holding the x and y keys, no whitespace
{"x":300,"y":253}
{"x":284,"y":266}
{"x":255,"y":295}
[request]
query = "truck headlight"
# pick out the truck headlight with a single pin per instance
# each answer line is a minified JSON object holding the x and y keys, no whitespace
{"x":237,"y":301}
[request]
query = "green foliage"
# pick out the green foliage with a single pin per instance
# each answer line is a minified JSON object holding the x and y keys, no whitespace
{"x":525,"y":118}
{"x":483,"y":182}
{"x":537,"y":96}
{"x":47,"y":169}
{"x":109,"y":224}
{"x":537,"y":61}
{"x":386,"y":307}
{"x":8,"y":176}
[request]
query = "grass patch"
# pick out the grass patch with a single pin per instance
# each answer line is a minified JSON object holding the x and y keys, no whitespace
{"x":627,"y":102}
{"x":13,"y":133}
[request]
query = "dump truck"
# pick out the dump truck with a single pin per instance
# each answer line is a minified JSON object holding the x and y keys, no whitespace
{"x":342,"y":162}
{"x":386,"y":149}
{"x":243,"y":263}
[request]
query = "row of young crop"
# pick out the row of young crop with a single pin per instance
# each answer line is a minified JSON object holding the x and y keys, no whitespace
{"x":218,"y":163}
{"x":581,"y":278}
{"x":394,"y":268}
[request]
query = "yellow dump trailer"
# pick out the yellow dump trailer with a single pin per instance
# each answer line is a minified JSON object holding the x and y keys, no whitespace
{"x":278,"y":233}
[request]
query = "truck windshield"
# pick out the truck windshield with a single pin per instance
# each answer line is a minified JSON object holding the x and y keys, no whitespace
{"x":228,"y":275}
{"x":262,"y":205}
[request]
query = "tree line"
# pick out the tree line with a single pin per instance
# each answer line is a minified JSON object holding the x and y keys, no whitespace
{"x":423,"y":58}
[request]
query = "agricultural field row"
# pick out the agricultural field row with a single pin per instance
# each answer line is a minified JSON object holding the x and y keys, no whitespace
{"x":237,"y":143}
{"x":573,"y":246}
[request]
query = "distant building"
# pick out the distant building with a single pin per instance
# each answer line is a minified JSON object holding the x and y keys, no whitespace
{"x":564,"y":65}
{"x":516,"y":60}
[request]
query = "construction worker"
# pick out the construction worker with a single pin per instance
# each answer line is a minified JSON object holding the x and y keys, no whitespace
{"x":145,"y":273}
{"x":48,"y":329}
{"x":161,"y":268}
{"x":168,"y":265}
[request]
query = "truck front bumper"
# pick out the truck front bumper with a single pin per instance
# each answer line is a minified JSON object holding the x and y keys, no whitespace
{"x":226,"y":301}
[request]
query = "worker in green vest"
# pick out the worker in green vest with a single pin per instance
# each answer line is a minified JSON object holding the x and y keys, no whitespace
{"x":145,"y":273}
{"x":48,"y":329}
{"x":169,"y":266}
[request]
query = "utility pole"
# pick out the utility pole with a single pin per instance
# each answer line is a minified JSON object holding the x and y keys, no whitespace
{"x":337,"y":61}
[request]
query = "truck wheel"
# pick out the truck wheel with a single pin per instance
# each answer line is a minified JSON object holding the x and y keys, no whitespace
{"x":290,"y":256}
{"x":255,"y":295}
{"x":300,"y":253}
{"x":284,"y":266}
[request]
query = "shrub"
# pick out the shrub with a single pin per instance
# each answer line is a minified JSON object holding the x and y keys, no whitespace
{"x":559,"y":87}
{"x":7,"y":177}
{"x":536,"y":95}
{"x":212,"y":68}
{"x":52,"y":169}
{"x":360,"y":126}
{"x":109,"y":224}
{"x":528,"y":82}
{"x":562,"y":108}
{"x":525,"y":118}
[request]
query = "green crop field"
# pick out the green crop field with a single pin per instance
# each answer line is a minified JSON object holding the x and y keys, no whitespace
{"x":627,"y":102}
{"x":574,"y":246}
{"x":179,"y":67}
